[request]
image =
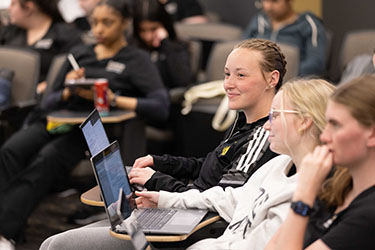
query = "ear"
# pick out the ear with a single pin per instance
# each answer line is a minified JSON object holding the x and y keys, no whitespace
{"x":371,"y":137}
{"x":273,"y":79}
{"x":29,"y":7}
{"x":305,"y":124}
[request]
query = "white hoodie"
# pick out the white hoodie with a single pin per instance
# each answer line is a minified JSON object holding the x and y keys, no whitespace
{"x":254,"y":211}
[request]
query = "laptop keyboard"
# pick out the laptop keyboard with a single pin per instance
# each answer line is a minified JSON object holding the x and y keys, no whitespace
{"x":155,"y":218}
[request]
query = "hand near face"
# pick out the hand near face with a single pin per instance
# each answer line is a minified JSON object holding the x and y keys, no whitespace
{"x":140,"y":175}
{"x":147,"y":199}
{"x":159,"y":35}
{"x":313,"y":171}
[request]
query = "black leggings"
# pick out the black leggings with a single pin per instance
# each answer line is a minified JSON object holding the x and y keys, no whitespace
{"x":31,"y":162}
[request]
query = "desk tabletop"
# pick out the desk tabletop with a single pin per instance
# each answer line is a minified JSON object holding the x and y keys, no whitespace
{"x":169,"y":238}
{"x":92,"y":197}
{"x":76,"y":117}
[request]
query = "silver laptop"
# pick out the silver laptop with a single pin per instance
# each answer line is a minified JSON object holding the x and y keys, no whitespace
{"x":138,"y":238}
{"x":94,"y":133}
{"x":111,"y":177}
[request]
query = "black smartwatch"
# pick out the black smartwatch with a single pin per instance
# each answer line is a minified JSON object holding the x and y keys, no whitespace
{"x":301,"y":208}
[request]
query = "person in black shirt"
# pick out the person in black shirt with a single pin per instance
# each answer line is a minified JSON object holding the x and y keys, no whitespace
{"x":38,"y":25}
{"x":344,"y":215}
{"x":39,"y":157}
{"x":244,"y":148}
{"x":154,"y":31}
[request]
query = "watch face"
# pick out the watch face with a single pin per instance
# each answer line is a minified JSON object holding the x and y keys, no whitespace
{"x":301,"y":208}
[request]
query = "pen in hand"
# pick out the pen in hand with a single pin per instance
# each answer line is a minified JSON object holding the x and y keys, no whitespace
{"x":73,"y":62}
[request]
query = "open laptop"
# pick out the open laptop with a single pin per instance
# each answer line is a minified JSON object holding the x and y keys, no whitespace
{"x":97,"y":139}
{"x":94,"y":133}
{"x":111,"y":177}
{"x":138,"y":238}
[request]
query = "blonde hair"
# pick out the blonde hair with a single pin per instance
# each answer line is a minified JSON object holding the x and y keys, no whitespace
{"x":358,"y":96}
{"x":309,"y":97}
{"x":273,"y":58}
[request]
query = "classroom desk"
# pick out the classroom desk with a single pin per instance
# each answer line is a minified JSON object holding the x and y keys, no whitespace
{"x":207,"y":220}
{"x":124,"y":126}
{"x":76,"y":117}
{"x":92,"y":197}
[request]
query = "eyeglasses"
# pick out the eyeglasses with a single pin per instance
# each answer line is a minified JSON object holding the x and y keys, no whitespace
{"x":275,"y":112}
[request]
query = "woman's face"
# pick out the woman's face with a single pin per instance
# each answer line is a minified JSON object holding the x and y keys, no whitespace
{"x":149,"y":33}
{"x":345,"y":137}
{"x":107,"y":26}
{"x":283,"y":126}
{"x":17,"y":14}
{"x":244,"y":82}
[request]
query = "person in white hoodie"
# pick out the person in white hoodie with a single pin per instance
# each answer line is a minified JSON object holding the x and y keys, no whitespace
{"x":256,"y":210}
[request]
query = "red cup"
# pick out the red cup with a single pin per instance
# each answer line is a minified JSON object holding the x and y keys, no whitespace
{"x":101,"y":102}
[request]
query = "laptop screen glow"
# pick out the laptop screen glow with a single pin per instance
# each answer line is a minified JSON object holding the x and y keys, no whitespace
{"x":94,"y":133}
{"x":111,"y":175}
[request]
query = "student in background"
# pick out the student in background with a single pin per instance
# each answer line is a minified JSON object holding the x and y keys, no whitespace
{"x":153,"y":29}
{"x":360,"y":65}
{"x":253,"y":74}
{"x":36,"y":159}
{"x":279,"y":22}
{"x":343,"y":216}
{"x":38,"y":25}
{"x":256,"y":210}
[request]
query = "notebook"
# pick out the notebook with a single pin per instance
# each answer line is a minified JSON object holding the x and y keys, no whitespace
{"x":94,"y":133}
{"x":111,"y":177}
{"x":82,"y":82}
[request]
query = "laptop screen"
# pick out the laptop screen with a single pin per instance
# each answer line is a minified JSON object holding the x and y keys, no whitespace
{"x":94,"y":133}
{"x":111,"y":177}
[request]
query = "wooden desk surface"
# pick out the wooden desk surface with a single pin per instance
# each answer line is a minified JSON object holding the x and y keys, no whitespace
{"x":76,"y":117}
{"x":168,"y":238}
{"x":92,"y":197}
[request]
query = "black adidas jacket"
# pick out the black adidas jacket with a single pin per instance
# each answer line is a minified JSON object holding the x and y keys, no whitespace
{"x":245,"y":148}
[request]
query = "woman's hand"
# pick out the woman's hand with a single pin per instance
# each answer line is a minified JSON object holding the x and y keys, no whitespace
{"x":313,"y":171}
{"x":147,"y":199}
{"x":159,"y":35}
{"x":140,"y":175}
{"x":75,"y":74}
{"x":143,"y":162}
{"x":84,"y":93}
